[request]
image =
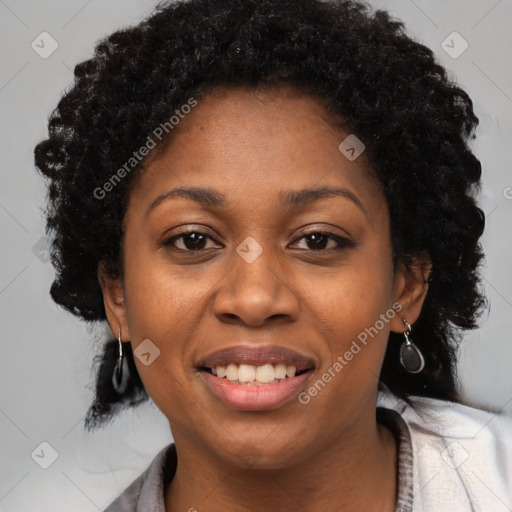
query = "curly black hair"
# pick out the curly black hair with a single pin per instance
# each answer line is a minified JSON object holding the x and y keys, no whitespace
{"x":387,"y":88}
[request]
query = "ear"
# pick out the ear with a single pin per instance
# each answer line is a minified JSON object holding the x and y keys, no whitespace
{"x":115,"y":305}
{"x":410,"y":290}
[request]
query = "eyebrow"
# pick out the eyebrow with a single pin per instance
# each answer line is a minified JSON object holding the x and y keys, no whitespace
{"x":301,"y":198}
{"x":204,"y":196}
{"x":289,"y":198}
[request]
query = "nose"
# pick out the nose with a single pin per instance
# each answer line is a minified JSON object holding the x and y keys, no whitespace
{"x":255,"y":294}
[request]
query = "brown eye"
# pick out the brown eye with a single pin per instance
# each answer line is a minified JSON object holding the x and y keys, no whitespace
{"x":320,"y":241}
{"x":317,"y":241}
{"x":189,"y":241}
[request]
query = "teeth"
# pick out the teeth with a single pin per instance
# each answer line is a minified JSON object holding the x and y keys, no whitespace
{"x":281,"y":371}
{"x":290,"y":371}
{"x":265,"y":373}
{"x":247,"y":373}
{"x":232,"y":372}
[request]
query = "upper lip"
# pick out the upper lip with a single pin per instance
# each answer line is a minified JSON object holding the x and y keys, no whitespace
{"x":243,"y":354}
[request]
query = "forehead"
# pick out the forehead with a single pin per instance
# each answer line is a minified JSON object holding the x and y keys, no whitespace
{"x":252,"y":144}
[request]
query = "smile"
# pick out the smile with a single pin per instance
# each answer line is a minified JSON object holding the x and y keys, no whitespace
{"x":255,"y":378}
{"x":255,"y":375}
{"x":255,"y":396}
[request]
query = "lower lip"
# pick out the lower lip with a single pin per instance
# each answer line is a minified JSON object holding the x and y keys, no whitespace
{"x":255,"y":398}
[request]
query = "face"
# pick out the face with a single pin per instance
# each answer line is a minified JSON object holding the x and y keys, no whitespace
{"x":276,"y":251}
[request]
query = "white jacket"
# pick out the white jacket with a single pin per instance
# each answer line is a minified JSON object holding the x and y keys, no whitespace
{"x":462,"y":456}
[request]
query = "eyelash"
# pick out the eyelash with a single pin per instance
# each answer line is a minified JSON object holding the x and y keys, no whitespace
{"x":342,"y":242}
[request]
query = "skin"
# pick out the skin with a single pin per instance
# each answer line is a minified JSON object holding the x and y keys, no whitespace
{"x":330,"y":454}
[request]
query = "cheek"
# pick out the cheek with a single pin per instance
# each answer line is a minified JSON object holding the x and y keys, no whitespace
{"x":162,"y":299}
{"x":348,"y":314}
{"x":347,"y":307}
{"x":162,"y":308}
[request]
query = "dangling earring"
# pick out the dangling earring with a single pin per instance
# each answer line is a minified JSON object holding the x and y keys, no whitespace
{"x":120,"y":376}
{"x":411,"y":357}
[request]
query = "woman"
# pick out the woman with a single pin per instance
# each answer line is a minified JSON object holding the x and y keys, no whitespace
{"x":272,"y":205}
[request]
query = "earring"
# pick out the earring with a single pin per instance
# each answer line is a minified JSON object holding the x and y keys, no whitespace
{"x":411,"y":357}
{"x":121,"y":372}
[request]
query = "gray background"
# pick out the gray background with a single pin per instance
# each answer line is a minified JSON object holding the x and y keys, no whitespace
{"x":46,"y":378}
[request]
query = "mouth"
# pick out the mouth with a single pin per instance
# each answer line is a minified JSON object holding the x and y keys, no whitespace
{"x":248,"y":378}
{"x":252,"y":375}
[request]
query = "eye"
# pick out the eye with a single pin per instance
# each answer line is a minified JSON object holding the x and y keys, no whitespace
{"x":324,"y":241}
{"x":196,"y":241}
{"x":189,"y":241}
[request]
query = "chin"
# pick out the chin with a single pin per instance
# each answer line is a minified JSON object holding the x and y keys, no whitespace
{"x":262,"y":455}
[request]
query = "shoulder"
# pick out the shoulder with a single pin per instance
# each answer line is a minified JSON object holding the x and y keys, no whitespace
{"x":462,"y":456}
{"x":147,"y":491}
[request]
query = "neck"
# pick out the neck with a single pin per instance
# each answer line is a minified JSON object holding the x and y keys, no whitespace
{"x":356,"y":471}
